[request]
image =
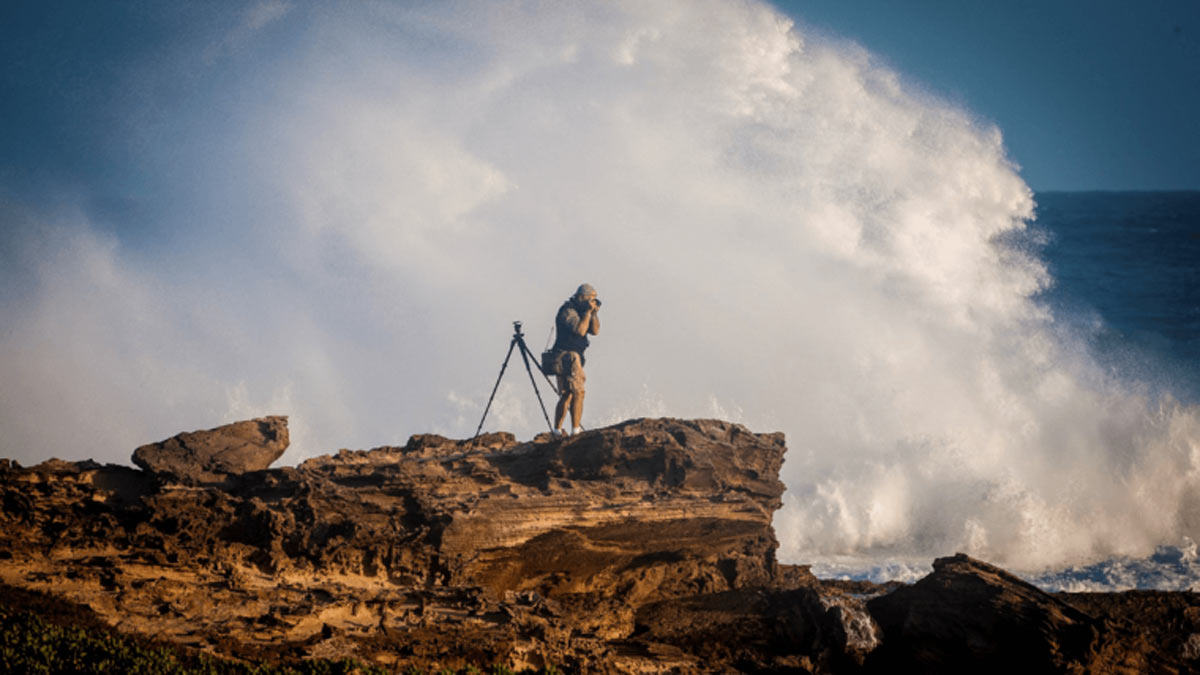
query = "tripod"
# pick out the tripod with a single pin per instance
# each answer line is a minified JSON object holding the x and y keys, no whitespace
{"x":518,"y":340}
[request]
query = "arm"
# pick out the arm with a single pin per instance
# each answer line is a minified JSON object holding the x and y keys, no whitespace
{"x":589,"y":322}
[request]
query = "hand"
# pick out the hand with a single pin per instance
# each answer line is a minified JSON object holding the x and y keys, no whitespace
{"x":593,"y":305}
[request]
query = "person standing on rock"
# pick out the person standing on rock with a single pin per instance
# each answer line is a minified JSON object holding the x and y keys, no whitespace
{"x":578,"y":318}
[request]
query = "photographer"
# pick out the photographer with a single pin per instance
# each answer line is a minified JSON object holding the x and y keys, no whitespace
{"x":578,"y":317}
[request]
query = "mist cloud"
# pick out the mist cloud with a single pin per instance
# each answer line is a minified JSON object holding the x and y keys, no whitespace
{"x":782,"y":231}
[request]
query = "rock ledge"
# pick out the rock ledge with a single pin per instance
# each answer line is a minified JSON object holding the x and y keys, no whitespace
{"x":644,"y":547}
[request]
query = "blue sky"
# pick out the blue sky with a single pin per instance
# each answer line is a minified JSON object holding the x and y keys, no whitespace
{"x":1090,"y":94}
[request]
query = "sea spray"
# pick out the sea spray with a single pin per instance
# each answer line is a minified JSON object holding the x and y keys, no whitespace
{"x":783,"y":231}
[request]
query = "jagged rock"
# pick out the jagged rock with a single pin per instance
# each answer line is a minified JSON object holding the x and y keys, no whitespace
{"x":642,"y":547}
{"x":531,"y":553}
{"x":1171,"y":620}
{"x":969,"y":616}
{"x":827,"y":629}
{"x":199,"y":457}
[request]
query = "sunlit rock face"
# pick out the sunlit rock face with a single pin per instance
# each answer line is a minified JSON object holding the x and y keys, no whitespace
{"x":642,"y":547}
{"x":474,"y":536}
{"x":648,"y":507}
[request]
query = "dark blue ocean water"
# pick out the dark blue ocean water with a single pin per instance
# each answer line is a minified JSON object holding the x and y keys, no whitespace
{"x":1126,"y":268}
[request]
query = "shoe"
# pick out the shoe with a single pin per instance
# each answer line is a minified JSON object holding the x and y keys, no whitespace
{"x":576,"y":431}
{"x":558,"y":433}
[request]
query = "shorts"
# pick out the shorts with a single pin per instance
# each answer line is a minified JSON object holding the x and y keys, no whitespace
{"x":570,"y":373}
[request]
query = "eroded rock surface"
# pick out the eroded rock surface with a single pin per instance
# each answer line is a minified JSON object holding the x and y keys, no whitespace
{"x":440,"y":551}
{"x":644,"y":547}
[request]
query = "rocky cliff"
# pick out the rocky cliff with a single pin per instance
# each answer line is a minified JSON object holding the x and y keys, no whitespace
{"x":642,"y":547}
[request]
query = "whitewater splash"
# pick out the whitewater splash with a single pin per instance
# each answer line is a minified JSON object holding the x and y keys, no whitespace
{"x":784,"y":233}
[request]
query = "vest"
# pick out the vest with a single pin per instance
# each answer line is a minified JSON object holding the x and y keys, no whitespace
{"x":564,"y":326}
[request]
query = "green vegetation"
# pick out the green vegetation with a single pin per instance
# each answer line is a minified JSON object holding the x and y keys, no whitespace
{"x":30,"y":644}
{"x":497,"y":669}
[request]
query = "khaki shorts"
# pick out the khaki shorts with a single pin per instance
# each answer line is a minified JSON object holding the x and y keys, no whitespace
{"x":570,"y":373}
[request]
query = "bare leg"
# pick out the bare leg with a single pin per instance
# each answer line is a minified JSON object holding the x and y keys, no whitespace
{"x":570,"y":383}
{"x":576,"y":410}
{"x":560,"y":410}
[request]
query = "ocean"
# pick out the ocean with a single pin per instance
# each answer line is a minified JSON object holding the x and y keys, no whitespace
{"x":1126,"y":270}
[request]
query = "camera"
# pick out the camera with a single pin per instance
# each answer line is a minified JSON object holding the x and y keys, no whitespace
{"x":597,"y":301}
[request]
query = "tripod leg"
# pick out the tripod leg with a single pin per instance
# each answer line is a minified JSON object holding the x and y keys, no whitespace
{"x":525,"y":355}
{"x":550,"y":383}
{"x":489,"y":403}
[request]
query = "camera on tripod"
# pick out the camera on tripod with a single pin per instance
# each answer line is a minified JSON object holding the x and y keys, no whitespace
{"x":518,"y":342}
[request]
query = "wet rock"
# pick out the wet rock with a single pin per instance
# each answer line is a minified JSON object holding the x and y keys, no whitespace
{"x":1171,"y":620}
{"x":969,"y":616}
{"x":211,"y":456}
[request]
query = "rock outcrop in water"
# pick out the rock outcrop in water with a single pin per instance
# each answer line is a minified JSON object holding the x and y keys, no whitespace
{"x":968,"y":616}
{"x":642,"y":547}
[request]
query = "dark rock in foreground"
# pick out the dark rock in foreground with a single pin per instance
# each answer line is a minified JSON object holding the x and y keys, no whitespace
{"x":969,"y":616}
{"x":200,"y":457}
{"x":642,"y":547}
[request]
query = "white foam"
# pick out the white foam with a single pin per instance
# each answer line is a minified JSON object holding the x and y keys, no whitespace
{"x":780,"y":228}
{"x":1169,"y":568}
